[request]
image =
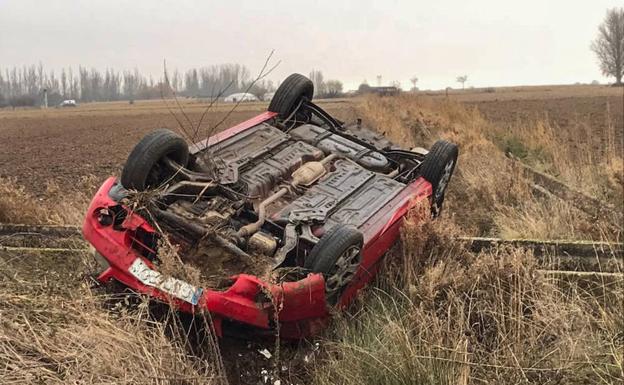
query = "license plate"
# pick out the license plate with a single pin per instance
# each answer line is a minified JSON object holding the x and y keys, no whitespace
{"x":175,"y":287}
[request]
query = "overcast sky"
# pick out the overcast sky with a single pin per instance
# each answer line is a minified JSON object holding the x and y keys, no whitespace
{"x":494,"y":42}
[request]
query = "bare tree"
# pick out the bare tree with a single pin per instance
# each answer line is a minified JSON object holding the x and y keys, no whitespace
{"x":176,"y":81}
{"x":89,"y":85}
{"x":333,"y":88}
{"x":609,"y":45}
{"x":462,"y":79}
{"x":73,"y":84}
{"x":64,"y":83}
{"x":378,"y":80}
{"x":414,"y":80}
{"x":261,"y":88}
{"x":191,"y":82}
{"x":319,"y":83}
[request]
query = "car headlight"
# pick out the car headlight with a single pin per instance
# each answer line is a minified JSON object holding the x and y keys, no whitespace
{"x":104,"y":216}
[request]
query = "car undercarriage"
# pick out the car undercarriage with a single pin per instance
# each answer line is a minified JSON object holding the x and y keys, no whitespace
{"x":293,"y":188}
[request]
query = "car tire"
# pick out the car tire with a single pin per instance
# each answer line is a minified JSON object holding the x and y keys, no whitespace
{"x":142,"y":169}
{"x":337,"y":256}
{"x":289,"y":94}
{"x":437,"y":168}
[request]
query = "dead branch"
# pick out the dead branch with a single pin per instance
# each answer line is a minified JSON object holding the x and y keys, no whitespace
{"x":261,"y":75}
{"x":162,"y":97}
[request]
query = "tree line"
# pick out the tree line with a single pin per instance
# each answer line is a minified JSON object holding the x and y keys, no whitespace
{"x":24,"y":86}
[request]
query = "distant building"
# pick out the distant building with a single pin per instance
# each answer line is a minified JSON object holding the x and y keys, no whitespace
{"x":240,"y":97}
{"x":389,"y":90}
{"x":68,"y":103}
{"x":381,"y":90}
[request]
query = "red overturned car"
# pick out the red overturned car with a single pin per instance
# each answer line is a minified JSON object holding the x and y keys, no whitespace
{"x":292,"y":191}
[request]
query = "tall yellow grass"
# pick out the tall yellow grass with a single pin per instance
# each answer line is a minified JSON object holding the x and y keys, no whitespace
{"x":488,"y":194}
{"x":55,"y":330}
{"x":438,"y":314}
{"x":442,"y":315}
{"x":60,"y":206}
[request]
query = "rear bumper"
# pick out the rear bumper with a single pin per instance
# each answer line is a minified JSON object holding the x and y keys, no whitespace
{"x":299,"y":307}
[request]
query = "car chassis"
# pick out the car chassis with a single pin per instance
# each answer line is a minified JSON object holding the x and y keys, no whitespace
{"x":293,"y":184}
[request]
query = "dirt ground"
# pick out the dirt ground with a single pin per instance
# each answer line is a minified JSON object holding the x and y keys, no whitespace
{"x":62,"y":145}
{"x":589,"y":116}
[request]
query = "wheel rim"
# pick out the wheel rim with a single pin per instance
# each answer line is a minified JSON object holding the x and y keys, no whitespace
{"x":446,"y":176}
{"x":342,"y":273}
{"x":154,"y":176}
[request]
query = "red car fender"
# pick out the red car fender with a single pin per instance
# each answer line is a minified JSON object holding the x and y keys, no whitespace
{"x":302,"y":299}
{"x":421,"y":189}
{"x":295,"y":302}
{"x":221,"y":136}
{"x":255,"y":302}
{"x":381,"y":231}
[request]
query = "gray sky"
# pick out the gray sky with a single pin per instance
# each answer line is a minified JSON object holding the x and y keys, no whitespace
{"x":494,"y":42}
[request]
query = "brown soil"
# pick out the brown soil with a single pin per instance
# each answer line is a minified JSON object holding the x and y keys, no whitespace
{"x":589,"y":116}
{"x":38,"y":147}
{"x":60,"y":148}
{"x":61,"y":145}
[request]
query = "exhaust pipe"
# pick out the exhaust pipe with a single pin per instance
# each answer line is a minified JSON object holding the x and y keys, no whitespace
{"x":305,"y":175}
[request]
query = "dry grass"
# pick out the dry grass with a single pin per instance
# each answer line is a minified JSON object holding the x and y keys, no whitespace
{"x":76,"y":341}
{"x":57,"y":207}
{"x":442,"y":315}
{"x":489,"y":195}
{"x":438,"y":315}
{"x":55,"y":330}
{"x":570,"y":155}
{"x":16,"y":203}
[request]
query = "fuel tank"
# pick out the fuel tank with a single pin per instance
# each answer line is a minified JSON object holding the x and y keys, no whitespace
{"x":264,"y":156}
{"x":349,"y":194}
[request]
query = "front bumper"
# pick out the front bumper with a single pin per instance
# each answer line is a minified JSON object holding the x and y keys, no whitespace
{"x":299,"y":307}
